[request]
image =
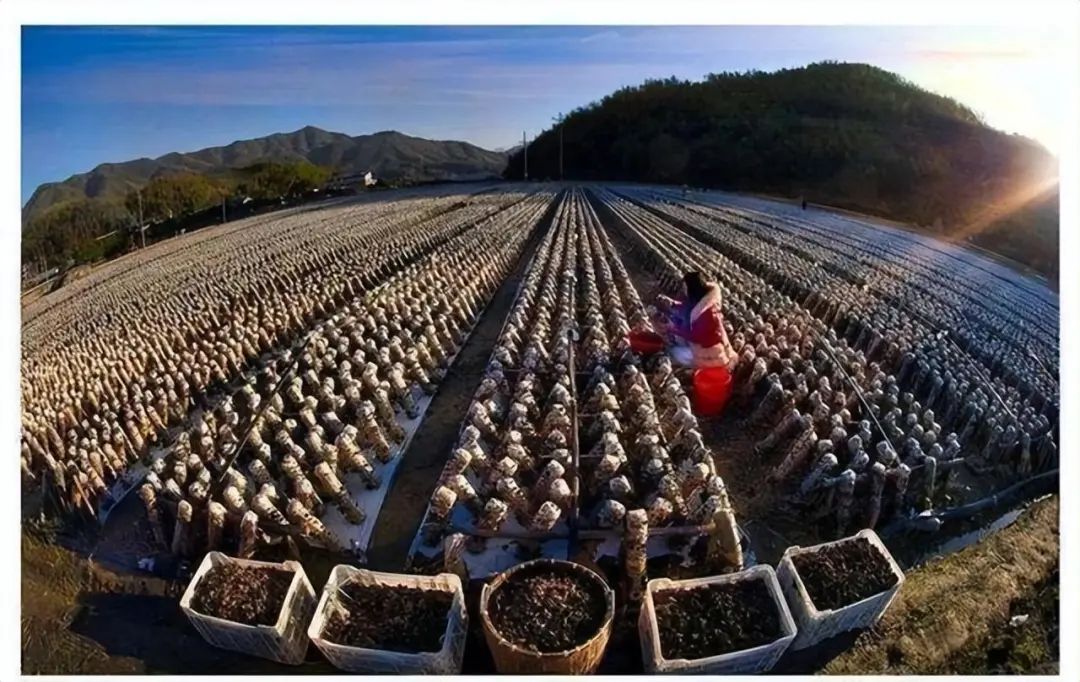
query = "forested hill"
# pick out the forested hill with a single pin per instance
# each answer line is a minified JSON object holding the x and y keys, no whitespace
{"x":389,"y":154}
{"x":848,"y":135}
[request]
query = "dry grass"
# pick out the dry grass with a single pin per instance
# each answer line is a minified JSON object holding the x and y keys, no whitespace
{"x":950,"y":612}
{"x":53,"y":579}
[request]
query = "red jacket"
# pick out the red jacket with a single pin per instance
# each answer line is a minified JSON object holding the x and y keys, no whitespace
{"x":703,"y":324}
{"x":703,"y":327}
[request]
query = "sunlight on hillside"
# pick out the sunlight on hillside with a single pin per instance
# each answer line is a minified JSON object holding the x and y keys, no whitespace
{"x":1009,"y":204}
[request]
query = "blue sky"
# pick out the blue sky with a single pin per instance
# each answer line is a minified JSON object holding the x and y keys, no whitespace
{"x":107,"y":94}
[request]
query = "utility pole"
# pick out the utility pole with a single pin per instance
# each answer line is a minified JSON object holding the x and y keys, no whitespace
{"x":559,"y":120}
{"x":525,"y":149}
{"x":222,"y":208}
{"x":142,"y":226}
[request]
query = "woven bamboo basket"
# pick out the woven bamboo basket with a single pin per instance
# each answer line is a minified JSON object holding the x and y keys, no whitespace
{"x":511,"y":659}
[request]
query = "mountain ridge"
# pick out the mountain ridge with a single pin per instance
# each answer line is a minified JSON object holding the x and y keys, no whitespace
{"x":389,"y":154}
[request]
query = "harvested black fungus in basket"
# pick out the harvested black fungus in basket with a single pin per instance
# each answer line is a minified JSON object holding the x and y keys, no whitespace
{"x":546,"y":611}
{"x":715,"y":619}
{"x":252,"y":596}
{"x":402,"y":619}
{"x":840,"y":575}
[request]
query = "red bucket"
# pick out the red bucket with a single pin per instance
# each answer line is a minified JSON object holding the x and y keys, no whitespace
{"x":645,"y":342}
{"x":712,"y":388}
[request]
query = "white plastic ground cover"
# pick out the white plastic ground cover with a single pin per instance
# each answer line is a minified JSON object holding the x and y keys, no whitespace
{"x":498,"y":553}
{"x":817,"y":625}
{"x":126,"y":482}
{"x":446,"y":661}
{"x":756,"y":660}
{"x":501,"y":554}
{"x":285,"y":641}
{"x":371,"y":501}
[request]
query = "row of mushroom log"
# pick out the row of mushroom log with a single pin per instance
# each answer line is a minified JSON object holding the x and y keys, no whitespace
{"x":325,"y":347}
{"x":264,"y":376}
{"x":955,"y":325}
{"x":571,"y":433}
{"x":860,"y":434}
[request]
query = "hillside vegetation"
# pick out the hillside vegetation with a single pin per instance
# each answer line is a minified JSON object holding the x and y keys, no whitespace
{"x":847,"y":135}
{"x":88,"y":229}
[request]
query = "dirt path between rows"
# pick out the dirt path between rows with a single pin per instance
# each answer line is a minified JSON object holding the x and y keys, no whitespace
{"x":951,"y":614}
{"x":408,"y":497}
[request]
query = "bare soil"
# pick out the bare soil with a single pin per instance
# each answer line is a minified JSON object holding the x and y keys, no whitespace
{"x":252,"y":596}
{"x":545,"y":611}
{"x":839,"y":575}
{"x":401,"y":619}
{"x":716,"y":619}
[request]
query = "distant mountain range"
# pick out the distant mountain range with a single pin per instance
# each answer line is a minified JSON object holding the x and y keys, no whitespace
{"x":389,"y":155}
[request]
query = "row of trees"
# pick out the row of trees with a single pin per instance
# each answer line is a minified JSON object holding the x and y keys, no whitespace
{"x":71,"y":231}
{"x":269,"y":180}
{"x":75,"y":230}
{"x":169,"y":196}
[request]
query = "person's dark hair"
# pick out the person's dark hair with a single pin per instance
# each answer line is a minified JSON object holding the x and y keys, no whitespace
{"x":695,"y":287}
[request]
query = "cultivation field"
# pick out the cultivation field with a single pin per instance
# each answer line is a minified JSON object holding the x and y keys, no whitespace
{"x":440,"y":379}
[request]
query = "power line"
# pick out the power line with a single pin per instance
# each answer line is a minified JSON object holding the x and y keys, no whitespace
{"x":285,"y":375}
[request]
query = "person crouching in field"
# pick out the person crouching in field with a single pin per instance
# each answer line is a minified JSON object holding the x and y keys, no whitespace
{"x":696,"y":325}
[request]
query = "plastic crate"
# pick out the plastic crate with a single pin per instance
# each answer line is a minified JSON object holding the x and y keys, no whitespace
{"x":756,"y":660}
{"x":285,"y":642}
{"x":818,"y":625}
{"x":751,"y":660}
{"x":446,"y":661}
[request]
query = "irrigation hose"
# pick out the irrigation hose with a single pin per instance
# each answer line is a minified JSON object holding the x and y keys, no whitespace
{"x":992,"y":500}
{"x":932,"y":520}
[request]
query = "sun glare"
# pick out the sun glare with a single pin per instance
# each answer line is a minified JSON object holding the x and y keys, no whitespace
{"x":1014,"y":82}
{"x":1009,"y":204}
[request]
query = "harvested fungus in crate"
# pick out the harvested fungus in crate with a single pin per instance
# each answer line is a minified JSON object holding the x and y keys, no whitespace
{"x":842,"y":574}
{"x":402,"y":619}
{"x":545,"y":610}
{"x":716,"y":619}
{"x":251,"y":596}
